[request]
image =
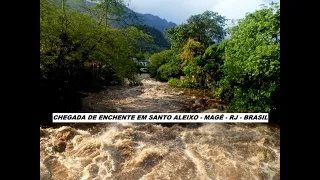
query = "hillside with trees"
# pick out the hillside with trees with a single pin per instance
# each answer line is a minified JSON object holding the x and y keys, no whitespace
{"x":159,"y":43}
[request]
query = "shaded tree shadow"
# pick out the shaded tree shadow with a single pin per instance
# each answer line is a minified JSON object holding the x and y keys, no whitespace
{"x":63,"y":91}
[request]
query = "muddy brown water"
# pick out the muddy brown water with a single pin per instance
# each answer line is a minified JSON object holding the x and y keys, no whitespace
{"x":154,"y":151}
{"x":151,"y":96}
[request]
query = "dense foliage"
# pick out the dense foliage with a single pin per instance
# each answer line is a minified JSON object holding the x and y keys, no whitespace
{"x":205,"y":28}
{"x":243,"y":70}
{"x":252,"y":61}
{"x":160,"y":59}
{"x":159,"y":39}
{"x":79,"y":50}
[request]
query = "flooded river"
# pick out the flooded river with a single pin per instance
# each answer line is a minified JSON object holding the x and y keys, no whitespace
{"x":154,"y":151}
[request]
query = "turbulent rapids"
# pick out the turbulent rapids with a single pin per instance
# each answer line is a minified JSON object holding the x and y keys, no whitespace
{"x":150,"y":151}
{"x":239,"y":151}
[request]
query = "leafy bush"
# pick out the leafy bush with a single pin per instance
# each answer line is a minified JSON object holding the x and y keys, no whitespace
{"x":166,"y":71}
{"x":168,"y":59}
{"x":190,"y":50}
{"x":174,"y":82}
{"x":193,"y":75}
{"x":188,"y":83}
{"x":158,"y":59}
{"x":212,"y":62}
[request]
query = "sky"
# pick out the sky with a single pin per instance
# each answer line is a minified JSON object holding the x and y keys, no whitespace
{"x":178,"y":11}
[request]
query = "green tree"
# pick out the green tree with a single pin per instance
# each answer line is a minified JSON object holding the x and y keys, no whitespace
{"x":212,"y":62}
{"x":69,"y":36}
{"x":190,"y":50}
{"x":204,"y":28}
{"x":161,"y":58}
{"x":80,"y":51}
{"x":166,"y":71}
{"x":252,"y":61}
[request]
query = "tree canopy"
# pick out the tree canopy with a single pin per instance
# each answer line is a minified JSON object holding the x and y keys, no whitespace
{"x":79,"y":49}
{"x":206,"y":28}
{"x":252,"y":60}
